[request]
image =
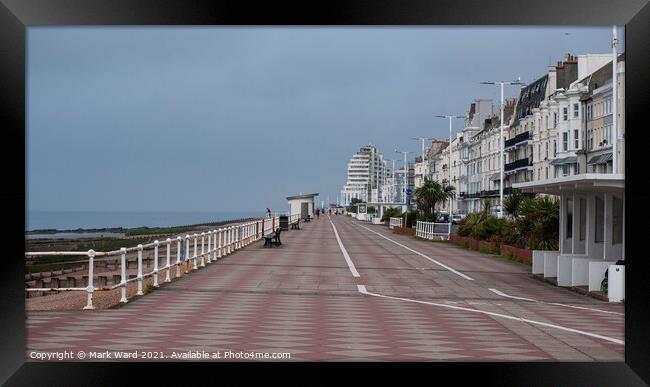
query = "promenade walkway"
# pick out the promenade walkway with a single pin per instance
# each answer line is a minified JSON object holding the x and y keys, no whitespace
{"x":388,"y":297}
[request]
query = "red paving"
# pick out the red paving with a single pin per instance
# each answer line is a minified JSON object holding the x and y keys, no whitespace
{"x":303,"y":300}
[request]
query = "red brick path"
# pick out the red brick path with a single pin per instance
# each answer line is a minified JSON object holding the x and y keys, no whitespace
{"x":302,"y":299}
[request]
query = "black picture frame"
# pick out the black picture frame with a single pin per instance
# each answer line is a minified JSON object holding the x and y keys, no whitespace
{"x":17,"y":15}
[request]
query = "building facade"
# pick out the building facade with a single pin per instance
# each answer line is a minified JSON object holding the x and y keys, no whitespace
{"x":367,"y":174}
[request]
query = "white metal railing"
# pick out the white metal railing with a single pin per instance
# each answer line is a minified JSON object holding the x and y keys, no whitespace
{"x":395,"y":222}
{"x":431,"y":230}
{"x":220,"y":243}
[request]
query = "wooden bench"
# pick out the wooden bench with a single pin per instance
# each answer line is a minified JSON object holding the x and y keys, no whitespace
{"x":307,"y":219}
{"x":295,"y":225}
{"x":273,"y":239}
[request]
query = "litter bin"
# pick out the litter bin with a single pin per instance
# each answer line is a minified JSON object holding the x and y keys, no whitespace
{"x":616,"y":283}
{"x":284,"y":222}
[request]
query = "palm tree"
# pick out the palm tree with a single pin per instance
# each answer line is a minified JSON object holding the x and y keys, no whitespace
{"x":514,"y":203}
{"x":431,"y":193}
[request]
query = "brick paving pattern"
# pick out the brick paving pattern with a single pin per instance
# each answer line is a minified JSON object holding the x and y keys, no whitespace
{"x":301,"y":298}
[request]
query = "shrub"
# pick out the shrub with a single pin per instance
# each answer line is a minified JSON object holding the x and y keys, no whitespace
{"x":426,"y":217}
{"x":411,"y":218}
{"x":391,"y":213}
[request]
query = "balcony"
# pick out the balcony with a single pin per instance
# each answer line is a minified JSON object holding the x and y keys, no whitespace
{"x":519,"y":164}
{"x":521,"y":137}
{"x":490,"y":193}
{"x":485,"y":194}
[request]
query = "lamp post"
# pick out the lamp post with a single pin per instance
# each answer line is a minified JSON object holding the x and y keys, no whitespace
{"x":501,"y":126}
{"x":450,"y":117}
{"x":392,"y":184}
{"x":422,"y":139}
{"x":614,"y":102}
{"x":405,"y":172}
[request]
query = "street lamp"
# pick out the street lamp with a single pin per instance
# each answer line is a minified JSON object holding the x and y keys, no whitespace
{"x":501,"y":126}
{"x":405,"y":171}
{"x":392,"y":185}
{"x":450,"y":117}
{"x":423,"y":139}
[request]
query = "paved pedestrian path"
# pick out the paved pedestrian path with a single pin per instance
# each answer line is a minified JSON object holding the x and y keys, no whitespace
{"x":412,"y":300}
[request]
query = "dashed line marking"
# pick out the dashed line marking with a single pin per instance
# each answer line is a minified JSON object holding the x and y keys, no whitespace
{"x":362,"y":289}
{"x":554,"y":303}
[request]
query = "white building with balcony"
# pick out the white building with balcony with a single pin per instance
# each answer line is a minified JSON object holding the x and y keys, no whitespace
{"x":591,"y":189}
{"x":367,"y":172}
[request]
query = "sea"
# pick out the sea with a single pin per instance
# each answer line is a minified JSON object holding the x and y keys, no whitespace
{"x":73,"y":220}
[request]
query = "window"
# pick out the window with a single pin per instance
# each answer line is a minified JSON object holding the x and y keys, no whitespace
{"x":565,"y":141}
{"x":554,"y":148}
{"x":617,"y":220}
{"x":538,"y":172}
{"x":600,"y":218}
{"x":588,"y":112}
{"x":565,"y":114}
{"x":546,"y":145}
{"x":583,"y":219}
{"x":565,"y":170}
{"x":576,"y":110}
{"x":554,"y":120}
{"x":547,"y":172}
{"x":575,"y":138}
{"x":569,"y":218}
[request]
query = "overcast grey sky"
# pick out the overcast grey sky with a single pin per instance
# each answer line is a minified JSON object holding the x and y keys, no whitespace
{"x":238,"y":118}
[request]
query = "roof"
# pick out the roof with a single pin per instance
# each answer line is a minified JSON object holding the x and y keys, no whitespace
{"x":306,"y":196}
{"x":587,"y":182}
{"x":600,"y":159}
{"x":531,"y":96}
{"x":600,"y":77}
{"x":565,"y":160}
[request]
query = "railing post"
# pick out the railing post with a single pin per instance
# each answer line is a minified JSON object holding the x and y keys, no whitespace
{"x":123,"y":300}
{"x":90,"y":288}
{"x":195,"y":257}
{"x":169,"y":250}
{"x":215,"y":248}
{"x":187,"y":254}
{"x":209,"y":252}
{"x":220,"y":249}
{"x":155,"y":263}
{"x":178,"y":256}
{"x":202,"y":249}
{"x":139,"y":293}
{"x":229,"y":236}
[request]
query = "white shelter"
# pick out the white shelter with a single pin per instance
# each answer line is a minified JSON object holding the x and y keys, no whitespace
{"x":302,"y":205}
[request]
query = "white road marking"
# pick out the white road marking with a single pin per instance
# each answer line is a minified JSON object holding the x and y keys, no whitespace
{"x":362,"y":289}
{"x":353,"y":269}
{"x":554,"y":303}
{"x":422,"y":255}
